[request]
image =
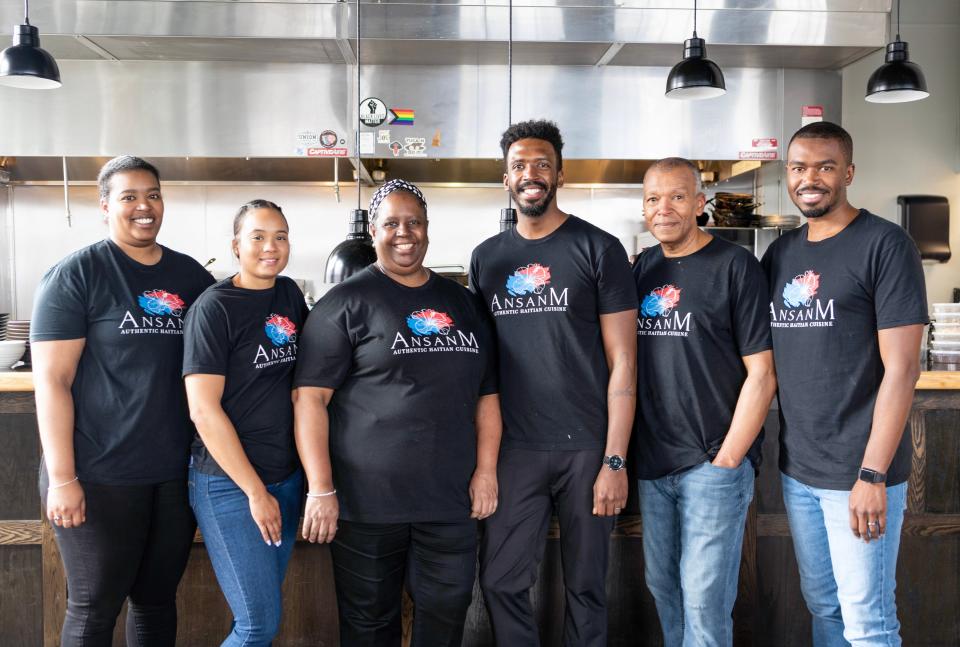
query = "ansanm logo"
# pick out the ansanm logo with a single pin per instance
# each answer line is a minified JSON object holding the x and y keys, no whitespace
{"x":529,"y":291}
{"x":162,"y":313}
{"x":801,"y":307}
{"x":282,"y":333}
{"x":659,"y":314}
{"x":432,"y":331}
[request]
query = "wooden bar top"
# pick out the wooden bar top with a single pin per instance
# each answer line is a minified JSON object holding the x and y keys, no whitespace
{"x":16,"y":381}
{"x":20,"y":381}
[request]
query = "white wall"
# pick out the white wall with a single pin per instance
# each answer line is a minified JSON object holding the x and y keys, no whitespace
{"x":912,"y":148}
{"x":7,"y":280}
{"x":198,"y":221}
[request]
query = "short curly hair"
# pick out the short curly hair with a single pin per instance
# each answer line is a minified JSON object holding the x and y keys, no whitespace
{"x":827,"y":130}
{"x":534,"y":129}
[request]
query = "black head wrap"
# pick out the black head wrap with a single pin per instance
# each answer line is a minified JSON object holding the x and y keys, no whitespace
{"x":390,"y":187}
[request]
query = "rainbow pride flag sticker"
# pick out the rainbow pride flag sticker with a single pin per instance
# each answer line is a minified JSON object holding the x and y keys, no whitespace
{"x":401,"y":116}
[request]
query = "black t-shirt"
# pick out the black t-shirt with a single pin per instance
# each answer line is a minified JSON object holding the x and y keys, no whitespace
{"x":546,"y":297}
{"x":699,"y":316}
{"x":249,"y":337}
{"x":828,"y":300}
{"x":407,"y":366}
{"x":131,"y":424}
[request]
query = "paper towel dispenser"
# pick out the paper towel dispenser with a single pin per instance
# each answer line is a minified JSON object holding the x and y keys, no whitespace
{"x":927,"y":219}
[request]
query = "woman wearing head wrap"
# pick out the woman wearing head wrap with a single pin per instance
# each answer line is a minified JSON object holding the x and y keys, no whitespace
{"x":398,"y":427}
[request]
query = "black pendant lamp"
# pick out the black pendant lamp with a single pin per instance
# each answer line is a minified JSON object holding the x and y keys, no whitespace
{"x":898,"y":80}
{"x":696,"y":76}
{"x":24,"y":64}
{"x":356,"y":252}
{"x":508,"y":215}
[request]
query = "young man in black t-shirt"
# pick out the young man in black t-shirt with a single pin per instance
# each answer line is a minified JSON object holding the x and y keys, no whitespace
{"x":847,"y":310}
{"x":564,"y":306}
{"x":705,"y":380}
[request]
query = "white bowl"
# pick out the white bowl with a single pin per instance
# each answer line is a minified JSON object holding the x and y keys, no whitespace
{"x":946,"y":307}
{"x":938,"y":344}
{"x":946,"y":335}
{"x":945,"y":356}
{"x":10,"y":353}
{"x":945,"y":317}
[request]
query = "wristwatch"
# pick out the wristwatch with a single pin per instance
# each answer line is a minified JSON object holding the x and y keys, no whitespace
{"x":614,"y":462}
{"x":872,"y":476}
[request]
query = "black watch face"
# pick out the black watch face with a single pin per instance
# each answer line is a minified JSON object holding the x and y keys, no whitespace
{"x":615,"y":463}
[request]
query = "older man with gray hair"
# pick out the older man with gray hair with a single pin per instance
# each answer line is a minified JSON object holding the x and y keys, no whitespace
{"x":705,"y":381}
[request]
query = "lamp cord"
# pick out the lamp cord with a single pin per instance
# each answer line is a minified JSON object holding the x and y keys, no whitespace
{"x":694,"y":18}
{"x":510,"y":64}
{"x":26,"y":12}
{"x":509,"y":77}
{"x":898,"y":20}
{"x":358,"y":108}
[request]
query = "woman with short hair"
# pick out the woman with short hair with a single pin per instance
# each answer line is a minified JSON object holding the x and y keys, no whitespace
{"x":107,"y":345}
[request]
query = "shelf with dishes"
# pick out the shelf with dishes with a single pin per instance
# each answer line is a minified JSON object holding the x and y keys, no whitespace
{"x":14,"y":343}
{"x":943,"y":338}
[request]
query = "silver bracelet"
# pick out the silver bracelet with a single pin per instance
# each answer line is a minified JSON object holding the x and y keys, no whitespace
{"x":54,"y":487}
{"x":317,"y":496}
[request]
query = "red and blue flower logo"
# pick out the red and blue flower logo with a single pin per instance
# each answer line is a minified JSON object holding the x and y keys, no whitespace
{"x":800,"y":291}
{"x":280,"y":330}
{"x":161,"y":302}
{"x":429,"y":322}
{"x":660,"y":302}
{"x":528,"y":280}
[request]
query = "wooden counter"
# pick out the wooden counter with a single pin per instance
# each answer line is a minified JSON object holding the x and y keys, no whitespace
{"x":19,"y":382}
{"x":769,"y":611}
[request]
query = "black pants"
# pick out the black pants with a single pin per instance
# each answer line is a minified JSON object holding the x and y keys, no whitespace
{"x":135,"y":543}
{"x":370,"y":563}
{"x":531,"y":484}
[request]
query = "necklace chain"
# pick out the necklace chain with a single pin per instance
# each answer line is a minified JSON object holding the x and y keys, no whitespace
{"x":383,"y":270}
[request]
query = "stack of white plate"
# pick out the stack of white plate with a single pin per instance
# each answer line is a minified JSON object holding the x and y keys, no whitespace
{"x":19,"y":330}
{"x":784,"y":221}
{"x":4,"y":317}
{"x":10,"y":353}
{"x":944,"y":343}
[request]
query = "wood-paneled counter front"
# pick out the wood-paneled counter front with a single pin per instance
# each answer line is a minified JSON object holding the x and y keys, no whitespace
{"x":770,"y":609}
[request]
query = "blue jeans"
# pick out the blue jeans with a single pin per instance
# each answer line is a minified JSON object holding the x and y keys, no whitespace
{"x":848,"y":584}
{"x":249,"y":571}
{"x":692,"y":535}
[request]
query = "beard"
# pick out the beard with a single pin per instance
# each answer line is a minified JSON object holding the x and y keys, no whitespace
{"x":818,"y":212}
{"x":815,"y":213}
{"x":538,"y":208}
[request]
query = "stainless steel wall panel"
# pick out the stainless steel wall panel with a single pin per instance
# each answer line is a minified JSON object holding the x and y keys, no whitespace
{"x":176,"y":109}
{"x":236,"y":110}
{"x":622,"y":113}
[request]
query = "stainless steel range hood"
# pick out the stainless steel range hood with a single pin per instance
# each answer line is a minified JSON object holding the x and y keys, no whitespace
{"x":811,"y":34}
{"x":215,"y":79}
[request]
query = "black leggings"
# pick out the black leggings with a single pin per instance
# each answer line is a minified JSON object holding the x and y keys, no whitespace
{"x":135,"y":543}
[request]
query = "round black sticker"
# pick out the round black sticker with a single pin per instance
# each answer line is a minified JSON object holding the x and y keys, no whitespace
{"x":373,"y":112}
